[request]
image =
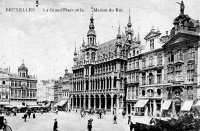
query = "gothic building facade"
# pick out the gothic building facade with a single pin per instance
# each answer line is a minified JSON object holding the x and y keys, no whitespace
{"x":99,"y":72}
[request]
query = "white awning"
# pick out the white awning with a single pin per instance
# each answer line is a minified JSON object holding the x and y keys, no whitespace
{"x":31,"y":103}
{"x":15,"y":103}
{"x":187,"y":105}
{"x":62,"y":102}
{"x":141,"y":103}
{"x":166,"y":104}
{"x":197,"y":104}
{"x":4,"y":103}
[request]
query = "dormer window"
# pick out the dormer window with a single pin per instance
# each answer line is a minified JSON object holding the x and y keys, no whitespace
{"x":151,"y":44}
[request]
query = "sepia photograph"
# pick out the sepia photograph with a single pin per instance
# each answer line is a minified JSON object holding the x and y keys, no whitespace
{"x":89,"y":65}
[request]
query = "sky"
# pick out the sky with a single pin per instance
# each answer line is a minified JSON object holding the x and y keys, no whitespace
{"x":46,"y":40}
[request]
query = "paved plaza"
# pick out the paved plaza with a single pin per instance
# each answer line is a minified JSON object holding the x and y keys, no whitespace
{"x":71,"y":122}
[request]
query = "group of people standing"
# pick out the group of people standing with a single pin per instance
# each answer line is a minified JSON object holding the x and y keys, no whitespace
{"x":28,"y":114}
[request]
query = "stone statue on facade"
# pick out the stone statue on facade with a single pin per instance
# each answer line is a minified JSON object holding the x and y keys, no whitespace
{"x":182,"y":7}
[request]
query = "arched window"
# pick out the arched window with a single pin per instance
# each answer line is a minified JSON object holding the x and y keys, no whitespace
{"x":144,"y":62}
{"x":159,"y":92}
{"x":151,"y":79}
{"x":133,"y":52}
{"x":88,"y":55}
{"x":150,"y":92}
{"x":150,"y":60}
{"x":143,"y":92}
{"x":93,"y":56}
{"x":159,"y":59}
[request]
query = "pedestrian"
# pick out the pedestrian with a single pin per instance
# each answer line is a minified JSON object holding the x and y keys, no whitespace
{"x":129,"y":119}
{"x":89,"y":127}
{"x":29,"y":113}
{"x":115,"y":119}
{"x":14,"y":113}
{"x":55,"y":126}
{"x":33,"y":115}
{"x":123,"y":113}
{"x":25,"y":116}
{"x":113,"y":112}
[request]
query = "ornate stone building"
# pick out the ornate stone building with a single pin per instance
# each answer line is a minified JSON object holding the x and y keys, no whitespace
{"x":99,"y":72}
{"x":23,"y":87}
{"x":168,"y":71}
{"x":181,"y":58}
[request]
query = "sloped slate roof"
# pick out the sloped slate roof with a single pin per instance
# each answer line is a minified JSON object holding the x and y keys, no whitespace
{"x":107,"y":47}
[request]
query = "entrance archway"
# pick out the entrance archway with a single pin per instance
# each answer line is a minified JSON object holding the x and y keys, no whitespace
{"x":78,"y":101}
{"x":102,"y":101}
{"x":97,"y":101}
{"x":129,"y":108}
{"x":177,"y":105}
{"x":92,"y":101}
{"x":108,"y":97}
{"x":86,"y":101}
{"x":114,"y":102}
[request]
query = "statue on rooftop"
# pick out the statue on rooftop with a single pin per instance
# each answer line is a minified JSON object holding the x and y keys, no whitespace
{"x":182,"y":7}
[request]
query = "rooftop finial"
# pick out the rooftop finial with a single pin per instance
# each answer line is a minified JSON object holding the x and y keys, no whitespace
{"x":138,"y":36}
{"x":23,"y":61}
{"x":92,"y":10}
{"x":75,"y":53}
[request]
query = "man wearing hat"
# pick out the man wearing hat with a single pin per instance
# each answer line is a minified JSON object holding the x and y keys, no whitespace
{"x":90,"y":124}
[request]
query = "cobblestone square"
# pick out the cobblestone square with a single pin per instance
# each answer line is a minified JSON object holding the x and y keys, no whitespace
{"x":70,"y":122}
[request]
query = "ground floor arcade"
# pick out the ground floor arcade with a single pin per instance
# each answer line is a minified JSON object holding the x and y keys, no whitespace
{"x":106,"y":102}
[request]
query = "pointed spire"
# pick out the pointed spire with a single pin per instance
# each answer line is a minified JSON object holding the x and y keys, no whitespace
{"x":83,"y":44}
{"x":119,"y":34}
{"x":138,"y":36}
{"x":129,"y":20}
{"x":75,"y":53}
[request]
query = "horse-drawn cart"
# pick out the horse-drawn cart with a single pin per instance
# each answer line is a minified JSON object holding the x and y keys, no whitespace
{"x":3,"y":124}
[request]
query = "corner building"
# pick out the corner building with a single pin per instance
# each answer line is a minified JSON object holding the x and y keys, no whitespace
{"x":99,"y":72}
{"x":168,"y":70}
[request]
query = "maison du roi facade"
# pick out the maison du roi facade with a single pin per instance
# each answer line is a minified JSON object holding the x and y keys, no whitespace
{"x":160,"y":76}
{"x":18,"y":89}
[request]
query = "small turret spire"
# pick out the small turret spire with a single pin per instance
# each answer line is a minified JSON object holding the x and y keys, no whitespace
{"x":75,"y":53}
{"x":119,"y":34}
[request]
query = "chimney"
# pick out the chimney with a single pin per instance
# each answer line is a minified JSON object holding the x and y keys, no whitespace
{"x":166,"y":33}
